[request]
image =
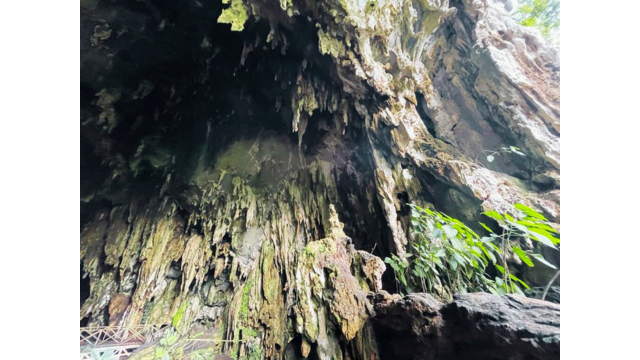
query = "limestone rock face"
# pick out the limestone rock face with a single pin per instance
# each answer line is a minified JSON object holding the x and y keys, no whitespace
{"x":215,"y":136}
{"x":331,"y":297}
{"x":472,"y":326}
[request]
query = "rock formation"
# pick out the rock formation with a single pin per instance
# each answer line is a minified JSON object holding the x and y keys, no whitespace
{"x":472,"y":326}
{"x":217,"y":135}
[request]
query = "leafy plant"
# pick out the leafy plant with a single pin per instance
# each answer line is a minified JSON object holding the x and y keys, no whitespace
{"x":448,"y":257}
{"x":399,"y":268}
{"x":542,"y":14}
{"x":525,"y":223}
{"x":504,"y":150}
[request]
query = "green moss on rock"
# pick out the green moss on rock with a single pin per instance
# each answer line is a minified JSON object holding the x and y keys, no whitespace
{"x":244,"y":303}
{"x":236,"y":15}
{"x":175,"y":321}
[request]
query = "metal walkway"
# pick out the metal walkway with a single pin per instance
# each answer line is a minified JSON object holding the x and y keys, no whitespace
{"x":114,"y":342}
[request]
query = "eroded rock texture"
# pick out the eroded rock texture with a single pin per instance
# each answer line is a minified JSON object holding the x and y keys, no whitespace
{"x":472,"y":326}
{"x":215,"y":135}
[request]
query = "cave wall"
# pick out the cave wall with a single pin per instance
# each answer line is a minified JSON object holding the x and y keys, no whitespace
{"x":221,"y":143}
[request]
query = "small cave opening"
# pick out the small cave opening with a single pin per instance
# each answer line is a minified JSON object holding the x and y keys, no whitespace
{"x":318,"y":126}
{"x":403,"y":197}
{"x":423,"y":109}
{"x":292,"y":351}
{"x":175,"y":270}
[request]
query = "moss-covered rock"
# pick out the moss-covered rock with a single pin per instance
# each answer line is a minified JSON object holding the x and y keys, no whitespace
{"x":236,"y":14}
{"x":329,"y":292}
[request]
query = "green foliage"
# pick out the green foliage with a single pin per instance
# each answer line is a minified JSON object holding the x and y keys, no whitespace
{"x":542,"y":14}
{"x":448,"y":257}
{"x":525,"y":223}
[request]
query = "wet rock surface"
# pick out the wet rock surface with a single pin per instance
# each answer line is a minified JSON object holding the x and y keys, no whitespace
{"x":472,"y":326}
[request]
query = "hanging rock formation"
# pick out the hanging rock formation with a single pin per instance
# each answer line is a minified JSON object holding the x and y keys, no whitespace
{"x":217,"y":135}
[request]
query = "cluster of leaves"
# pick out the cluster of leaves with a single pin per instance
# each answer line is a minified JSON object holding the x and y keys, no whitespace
{"x":505,"y":150}
{"x":448,"y":257}
{"x":542,"y":14}
{"x":525,"y":223}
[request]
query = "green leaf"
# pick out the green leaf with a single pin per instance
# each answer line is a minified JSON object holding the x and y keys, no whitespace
{"x":469,"y":274}
{"x":513,"y":277}
{"x":497,"y":249}
{"x":435,"y":271}
{"x":457,"y":244}
{"x":402,"y":279}
{"x":537,"y":225}
{"x":500,"y":268}
{"x":449,"y":231}
{"x":522,"y":255}
{"x":494,"y":215}
{"x":529,"y":211}
{"x":486,"y":227}
{"x":489,"y":255}
{"x":543,"y":239}
{"x":518,"y":290}
{"x":522,"y":228}
{"x":453,"y":263}
{"x":459,"y":258}
{"x":430,"y":225}
{"x":490,"y":158}
{"x":546,"y":234}
{"x":541,"y":258}
{"x":476,"y":251}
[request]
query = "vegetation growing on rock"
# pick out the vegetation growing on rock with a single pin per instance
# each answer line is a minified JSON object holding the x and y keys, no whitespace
{"x":449,"y":257}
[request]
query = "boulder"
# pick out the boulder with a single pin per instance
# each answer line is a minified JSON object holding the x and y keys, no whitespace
{"x":472,"y":326}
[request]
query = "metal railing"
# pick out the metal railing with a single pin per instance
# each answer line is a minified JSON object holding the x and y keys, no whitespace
{"x":113,"y":342}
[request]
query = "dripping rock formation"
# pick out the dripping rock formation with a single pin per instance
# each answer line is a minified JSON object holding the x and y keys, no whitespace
{"x":228,"y":148}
